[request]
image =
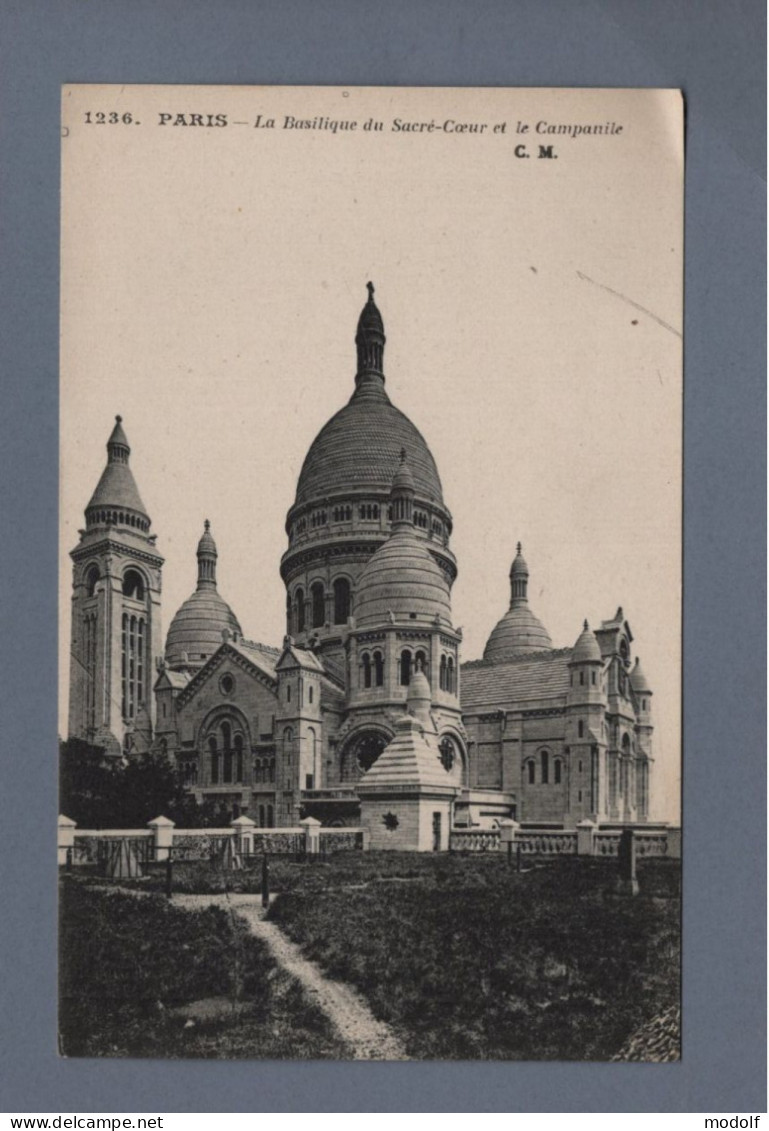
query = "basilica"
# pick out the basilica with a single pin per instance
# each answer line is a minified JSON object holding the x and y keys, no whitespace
{"x":367,"y":712}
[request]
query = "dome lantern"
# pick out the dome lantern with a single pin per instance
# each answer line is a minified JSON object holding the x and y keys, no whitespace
{"x":370,"y":341}
{"x":207,"y":555}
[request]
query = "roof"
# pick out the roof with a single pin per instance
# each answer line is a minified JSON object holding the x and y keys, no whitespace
{"x":302,"y":657}
{"x":531,"y":676}
{"x":261,"y":655}
{"x":117,"y":488}
{"x":411,"y":758}
{"x":361,"y":446}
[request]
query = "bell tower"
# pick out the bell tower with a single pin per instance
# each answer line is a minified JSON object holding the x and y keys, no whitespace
{"x":116,"y":631}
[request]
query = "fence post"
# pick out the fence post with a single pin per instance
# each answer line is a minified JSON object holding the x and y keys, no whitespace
{"x":265,"y":881}
{"x":586,"y":837}
{"x":311,"y":836}
{"x":169,"y":876}
{"x":244,"y":831}
{"x":65,"y":840}
{"x":163,"y":830}
{"x":627,"y":883}
{"x":507,"y":834}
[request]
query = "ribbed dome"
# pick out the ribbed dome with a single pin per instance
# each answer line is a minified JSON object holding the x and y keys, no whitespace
{"x":197,"y":628}
{"x":361,"y":446}
{"x":402,"y":578}
{"x":586,"y":648}
{"x":518,"y":631}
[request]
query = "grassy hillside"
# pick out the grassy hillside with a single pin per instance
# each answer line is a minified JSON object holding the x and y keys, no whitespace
{"x":468,"y":959}
{"x":140,"y":978}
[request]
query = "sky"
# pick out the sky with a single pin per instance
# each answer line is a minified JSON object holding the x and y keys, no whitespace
{"x":212,"y":278}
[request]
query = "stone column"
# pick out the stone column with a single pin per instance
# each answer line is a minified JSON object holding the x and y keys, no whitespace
{"x":163,"y":830}
{"x":65,"y":840}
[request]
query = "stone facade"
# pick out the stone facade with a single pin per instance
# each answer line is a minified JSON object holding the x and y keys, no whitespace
{"x":547,"y":736}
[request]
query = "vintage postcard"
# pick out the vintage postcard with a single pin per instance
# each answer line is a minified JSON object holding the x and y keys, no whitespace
{"x":370,"y":590}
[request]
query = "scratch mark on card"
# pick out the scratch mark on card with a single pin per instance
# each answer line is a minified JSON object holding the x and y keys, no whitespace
{"x":630,"y":302}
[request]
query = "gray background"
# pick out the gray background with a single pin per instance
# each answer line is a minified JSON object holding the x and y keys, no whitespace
{"x":715,"y":51}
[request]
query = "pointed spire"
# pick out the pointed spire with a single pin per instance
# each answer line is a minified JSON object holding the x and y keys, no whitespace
{"x":402,"y":494}
{"x":118,"y":448}
{"x":207,"y":556}
{"x":116,"y":500}
{"x":519,"y":580}
{"x":370,"y":341}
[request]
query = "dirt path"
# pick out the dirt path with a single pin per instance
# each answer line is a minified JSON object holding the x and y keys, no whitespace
{"x":367,"y":1038}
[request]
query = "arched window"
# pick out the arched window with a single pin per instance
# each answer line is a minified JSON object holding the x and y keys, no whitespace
{"x":557,"y":771}
{"x":405,"y":668}
{"x":580,"y":729}
{"x":592,"y":678}
{"x":341,"y":600}
{"x":299,"y":610}
{"x":530,"y":771}
{"x":270,"y":818}
{"x":420,"y":663}
{"x":378,"y":669}
{"x":91,"y":579}
{"x":450,"y":679}
{"x":318,"y":605}
{"x":238,"y":757}
{"x":133,"y":585}
{"x":442,"y":675}
{"x":582,"y":679}
{"x":227,"y":744}
{"x":261,"y":816}
{"x":448,"y":754}
{"x":214,"y":760}
{"x":544,"y":758}
{"x":366,"y":665}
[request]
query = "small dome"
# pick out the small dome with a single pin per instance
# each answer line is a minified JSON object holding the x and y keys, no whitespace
{"x":419,"y":688}
{"x":403,"y":579}
{"x":638,"y":680}
{"x":518,"y":631}
{"x":197,"y":628}
{"x":586,"y":648}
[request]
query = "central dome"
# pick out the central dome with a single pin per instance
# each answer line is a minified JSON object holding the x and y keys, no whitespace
{"x":361,"y":446}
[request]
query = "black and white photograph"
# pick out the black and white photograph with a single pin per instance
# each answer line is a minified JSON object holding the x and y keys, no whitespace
{"x":370,"y":573}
